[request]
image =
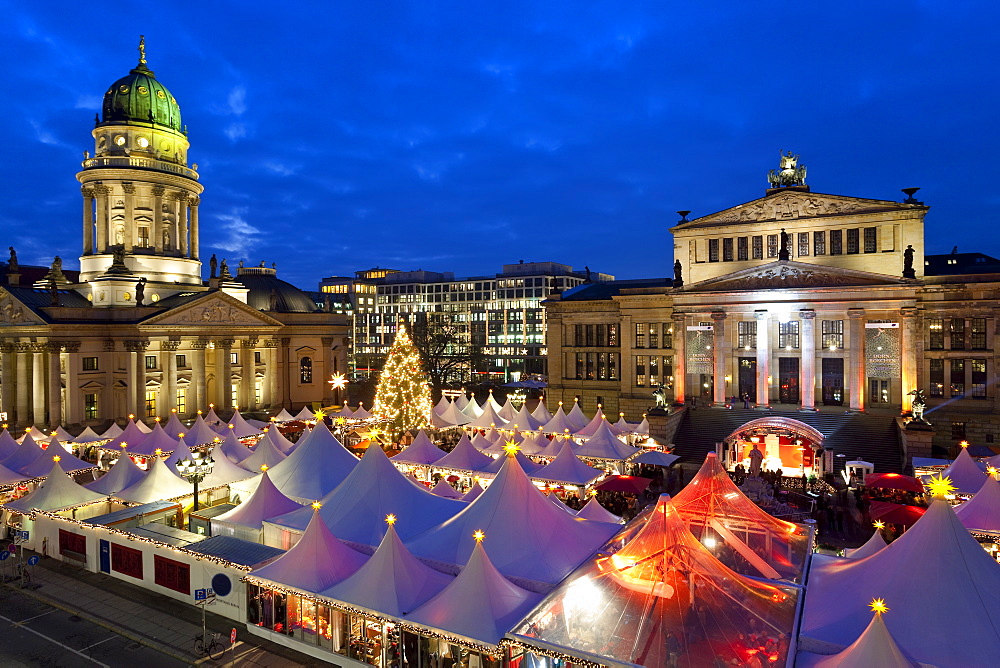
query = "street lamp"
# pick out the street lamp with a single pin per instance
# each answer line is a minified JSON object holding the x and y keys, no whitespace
{"x":194,"y":469}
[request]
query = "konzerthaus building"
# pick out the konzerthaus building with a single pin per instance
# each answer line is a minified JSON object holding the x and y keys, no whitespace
{"x":142,"y":331}
{"x":794,"y":300}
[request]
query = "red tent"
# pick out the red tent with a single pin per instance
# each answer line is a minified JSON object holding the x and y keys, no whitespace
{"x":624,"y":483}
{"x":896,"y":513}
{"x":894,"y":481}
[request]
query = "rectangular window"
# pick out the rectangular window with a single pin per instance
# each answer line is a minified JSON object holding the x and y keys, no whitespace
{"x":803,"y":244}
{"x":977,"y":340}
{"x":713,"y":250}
{"x":640,"y":371}
{"x":579,"y":366}
{"x":936,"y":378}
{"x":958,"y":431}
{"x":742,"y":249}
{"x":150,"y":362}
{"x":602,"y":333}
{"x":788,"y":335}
{"x":957,"y":378}
{"x":234,"y":394}
{"x":654,"y":335}
{"x":654,"y":370}
{"x":668,"y":372}
{"x":668,"y":335}
{"x":578,"y":335}
{"x":613,"y":335}
{"x":90,"y":364}
{"x":151,"y":403}
{"x":258,"y":392}
{"x":836,"y":242}
{"x":758,"y":248}
{"x":871,"y":239}
{"x":640,"y":334}
{"x":589,"y":329}
{"x":181,"y":361}
{"x":181,"y":401}
{"x":257,"y":357}
{"x":591,"y":363}
{"x":746,"y":331}
{"x":956,"y":330}
{"x":126,"y":560}
{"x":772,"y":245}
{"x":74,"y":543}
{"x":602,"y":366}
{"x":234,"y":358}
{"x":90,"y":406}
{"x":727,"y":250}
{"x":833,"y":334}
{"x":172,"y":574}
{"x":935,"y":333}
{"x":853,"y":241}
{"x":978,"y":381}
{"x":613,"y":366}
{"x":819,"y":243}
{"x":143,"y":236}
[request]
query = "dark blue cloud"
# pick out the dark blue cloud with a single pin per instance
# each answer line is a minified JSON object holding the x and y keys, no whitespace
{"x":457,"y":137}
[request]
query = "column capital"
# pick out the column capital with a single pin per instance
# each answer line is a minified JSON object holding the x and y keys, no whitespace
{"x":170,"y":345}
{"x":908,"y":312}
{"x":719,"y":315}
{"x":54,"y":347}
{"x":224,"y":343}
{"x":286,"y":341}
{"x":128,"y":187}
{"x":39,"y":347}
{"x":8,"y":347}
{"x":71,"y":346}
{"x":249,"y":344}
{"x":199,"y":344}
{"x":181,"y":196}
{"x":22,"y":347}
{"x":194,"y":201}
{"x":855,"y":313}
{"x":807,"y":314}
{"x":270,"y":343}
{"x":761,"y":315}
{"x":102,"y":190}
{"x":158,"y":191}
{"x":326,"y":341}
{"x":109,"y":345}
{"x":136,"y":345}
{"x":87,"y":191}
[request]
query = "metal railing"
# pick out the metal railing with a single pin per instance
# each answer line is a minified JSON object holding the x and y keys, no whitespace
{"x":142,"y":163}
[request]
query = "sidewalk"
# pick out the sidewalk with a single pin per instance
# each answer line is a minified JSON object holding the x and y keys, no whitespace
{"x":156,"y":621}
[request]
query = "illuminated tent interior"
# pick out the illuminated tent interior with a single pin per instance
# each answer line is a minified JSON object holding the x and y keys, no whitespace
{"x":788,"y":444}
{"x":657,"y":580}
{"x":57,"y":491}
{"x":121,"y":475}
{"x":737,"y":531}
{"x":43,"y":461}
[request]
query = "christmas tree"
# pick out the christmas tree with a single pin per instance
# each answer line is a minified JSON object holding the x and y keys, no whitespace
{"x":403,"y":396}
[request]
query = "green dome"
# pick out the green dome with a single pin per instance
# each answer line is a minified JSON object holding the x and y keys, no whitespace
{"x":139,"y":97}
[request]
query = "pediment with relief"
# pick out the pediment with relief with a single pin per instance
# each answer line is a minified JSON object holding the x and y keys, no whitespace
{"x":14,"y":312}
{"x":793,"y":205}
{"x":779,"y":275}
{"x":215,"y":309}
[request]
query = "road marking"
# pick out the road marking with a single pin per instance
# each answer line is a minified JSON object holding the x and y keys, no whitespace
{"x":101,"y":641}
{"x":53,"y":640}
{"x":25,"y":621}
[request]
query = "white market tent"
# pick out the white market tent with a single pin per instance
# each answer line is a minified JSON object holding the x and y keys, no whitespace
{"x":453,"y":417}
{"x":479,"y":604}
{"x":592,"y":510}
{"x":27,"y":452}
{"x":481,"y":442}
{"x":461,"y":401}
{"x":264,"y":454}
{"x":247,"y":519}
{"x":605,"y":445}
{"x":577,"y":418}
{"x":871,"y":546}
{"x":318,"y":561}
{"x":965,"y":474}
{"x":212,"y":419}
{"x":375,"y":488}
{"x":541,"y":413}
{"x":392,"y":582}
{"x":982,"y":511}
{"x":121,"y":475}
{"x":507,"y":411}
{"x":361,"y":413}
{"x":305,"y":414}
{"x":241,"y":426}
{"x":36,"y":434}
{"x":43,"y":461}
{"x":174,"y":426}
{"x":529,"y":537}
{"x":559,"y":424}
{"x":474,"y":492}
{"x":283,"y":416}
{"x":281,"y":441}
{"x":131,"y":436}
{"x":643,"y":427}
{"x":10,"y":477}
{"x":421,"y":451}
{"x":591,"y":428}
{"x":8,"y":446}
{"x":143,"y":427}
{"x":225,"y":471}
{"x":200,"y":433}
{"x":524,"y":421}
{"x":526,"y":464}
{"x":491,"y":401}
{"x":159,"y":484}
{"x":534,"y":443}
{"x":464,"y":457}
{"x":936,"y":557}
{"x":56,"y":492}
{"x":157,"y":439}
{"x":114,"y":431}
{"x":441,"y":406}
{"x":874,"y":647}
{"x":63,"y":435}
{"x":317,"y":465}
{"x":554,"y":446}
{"x":183,"y":451}
{"x":472,"y":409}
{"x":489,"y":418}
{"x":568,"y":469}
{"x":232,"y":448}
{"x":88,"y":435}
{"x":443,"y":489}
{"x":558,"y":503}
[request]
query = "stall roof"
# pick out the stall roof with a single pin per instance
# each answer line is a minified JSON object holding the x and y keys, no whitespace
{"x":236,"y":550}
{"x":167,"y":534}
{"x":126,"y":514}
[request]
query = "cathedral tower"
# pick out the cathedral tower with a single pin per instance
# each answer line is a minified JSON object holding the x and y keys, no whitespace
{"x":140,"y":198}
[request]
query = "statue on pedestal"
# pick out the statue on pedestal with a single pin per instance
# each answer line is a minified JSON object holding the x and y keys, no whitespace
{"x":213,"y":265}
{"x":789,"y":172}
{"x":140,"y":291}
{"x":678,"y":274}
{"x":918,"y":404}
{"x":12,"y":266}
{"x":784,"y":250}
{"x":908,"y":271}
{"x":660,"y":396}
{"x":756,"y":460}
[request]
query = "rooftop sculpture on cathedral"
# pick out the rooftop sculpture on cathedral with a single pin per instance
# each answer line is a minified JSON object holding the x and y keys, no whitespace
{"x":789,"y":172}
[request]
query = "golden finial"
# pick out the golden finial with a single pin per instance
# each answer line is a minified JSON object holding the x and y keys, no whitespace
{"x":263,"y":468}
{"x":878,"y":606}
{"x":142,"y":49}
{"x":173,"y":410}
{"x":211,"y":405}
{"x":479,"y":535}
{"x":232,"y":426}
{"x":390,"y":519}
{"x":316,"y":505}
{"x":992,"y":470}
{"x":217,"y":439}
{"x":964,"y":444}
{"x":56,"y":458}
{"x":180,"y":435}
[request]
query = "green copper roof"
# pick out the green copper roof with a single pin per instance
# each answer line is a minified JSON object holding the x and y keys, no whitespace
{"x":139,"y":97}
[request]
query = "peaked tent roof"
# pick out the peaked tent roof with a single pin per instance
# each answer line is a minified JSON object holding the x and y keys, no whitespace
{"x":121,"y":475}
{"x":264,"y":454}
{"x":507,"y":411}
{"x":524,"y":420}
{"x":225,"y":471}
{"x":874,"y":647}
{"x":577,"y":418}
{"x":317,"y":465}
{"x":305,"y":413}
{"x":982,"y":511}
{"x":554,"y":446}
{"x":595,"y":422}
{"x":159,"y":484}
{"x":453,"y":416}
{"x":592,"y":510}
{"x":442,"y":488}
{"x":965,"y":474}
{"x":43,"y":462}
{"x":567,"y":468}
{"x":464,"y":457}
{"x":131,"y":435}
{"x":281,"y":441}
{"x":526,"y":464}
{"x":491,"y":401}
{"x":533,"y":443}
{"x":63,"y":435}
{"x":559,"y":424}
{"x":183,"y":451}
{"x":174,"y":425}
{"x":88,"y":435}
{"x":10,"y":477}
{"x":605,"y":445}
{"x":529,"y":537}
{"x":158,"y":438}
{"x":266,"y":502}
{"x":488,"y":418}
{"x":643,"y":427}
{"x":317,"y":561}
{"x":233,"y":449}
{"x":421,"y":451}
{"x":472,"y":409}
{"x":27,"y":452}
{"x":284,"y":416}
{"x":200,"y":433}
{"x":761,"y":544}
{"x":441,"y":406}
{"x":541,"y":412}
{"x":480,"y":604}
{"x":212,"y":418}
{"x":375,"y":488}
{"x":36,"y":434}
{"x":57,"y":491}
{"x":241,"y":427}
{"x":114,"y":431}
{"x":361,"y":413}
{"x":937,"y":557}
{"x":462,"y":400}
{"x":871,"y":546}
{"x":143,"y":427}
{"x":480,"y":442}
{"x":8,"y":446}
{"x":645,"y":592}
{"x":392,"y":582}
{"x":474,"y":492}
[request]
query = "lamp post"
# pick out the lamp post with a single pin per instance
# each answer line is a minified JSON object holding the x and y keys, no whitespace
{"x":194,"y":469}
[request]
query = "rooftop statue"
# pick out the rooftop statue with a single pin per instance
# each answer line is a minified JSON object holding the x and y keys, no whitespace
{"x":789,"y":172}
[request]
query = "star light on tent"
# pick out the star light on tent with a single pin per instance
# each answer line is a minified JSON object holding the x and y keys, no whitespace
{"x":56,"y":458}
{"x":878,"y":606}
{"x":511,"y":448}
{"x":263,"y":468}
{"x":338,"y":381}
{"x":992,"y":470}
{"x":316,"y":505}
{"x":156,"y":452}
{"x":479,"y":535}
{"x":390,"y":519}
{"x":940,"y":487}
{"x":878,"y":524}
{"x":319,"y":415}
{"x":340,"y":420}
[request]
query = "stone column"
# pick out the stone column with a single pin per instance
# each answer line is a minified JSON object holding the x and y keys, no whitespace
{"x":9,"y":369}
{"x":763,"y":359}
{"x":909,"y":352}
{"x":136,"y":371}
{"x":808,"y":366}
{"x":55,"y":385}
{"x":857,"y":359}
{"x":719,"y":354}
{"x":71,"y":406}
{"x":88,"y":220}
{"x":329,"y":369}
{"x":248,"y":375}
{"x":157,"y":230}
{"x":224,"y":377}
{"x":38,"y":382}
{"x":107,"y":402}
{"x":130,"y":230}
{"x":168,"y":361}
{"x":272,"y":397}
{"x":199,"y":391}
{"x":23,"y":385}
{"x":102,"y":218}
{"x":284,"y":372}
{"x":195,"y":246}
{"x":182,"y":226}
{"x":680,"y":350}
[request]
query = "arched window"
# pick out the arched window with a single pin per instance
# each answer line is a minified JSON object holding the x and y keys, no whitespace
{"x":306,"y":370}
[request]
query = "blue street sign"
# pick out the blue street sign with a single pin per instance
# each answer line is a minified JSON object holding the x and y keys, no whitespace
{"x":199,"y":594}
{"x":24,"y":535}
{"x":4,"y":556}
{"x":33,"y":559}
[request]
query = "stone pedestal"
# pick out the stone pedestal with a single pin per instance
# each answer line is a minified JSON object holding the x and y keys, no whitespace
{"x":916,"y":439}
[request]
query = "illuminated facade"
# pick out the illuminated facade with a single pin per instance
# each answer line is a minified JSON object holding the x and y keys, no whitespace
{"x":142,"y":332}
{"x":797,"y":299}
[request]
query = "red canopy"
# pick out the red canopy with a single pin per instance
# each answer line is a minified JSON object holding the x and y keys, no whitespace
{"x":896,"y":513}
{"x":894,"y":481}
{"x":624,"y":483}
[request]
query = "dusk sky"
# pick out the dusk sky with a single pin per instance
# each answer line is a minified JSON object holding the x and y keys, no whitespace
{"x":459,"y":136}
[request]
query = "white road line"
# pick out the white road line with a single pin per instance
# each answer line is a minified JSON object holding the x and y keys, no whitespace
{"x":23,"y":621}
{"x":53,"y":640}
{"x":99,"y":642}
